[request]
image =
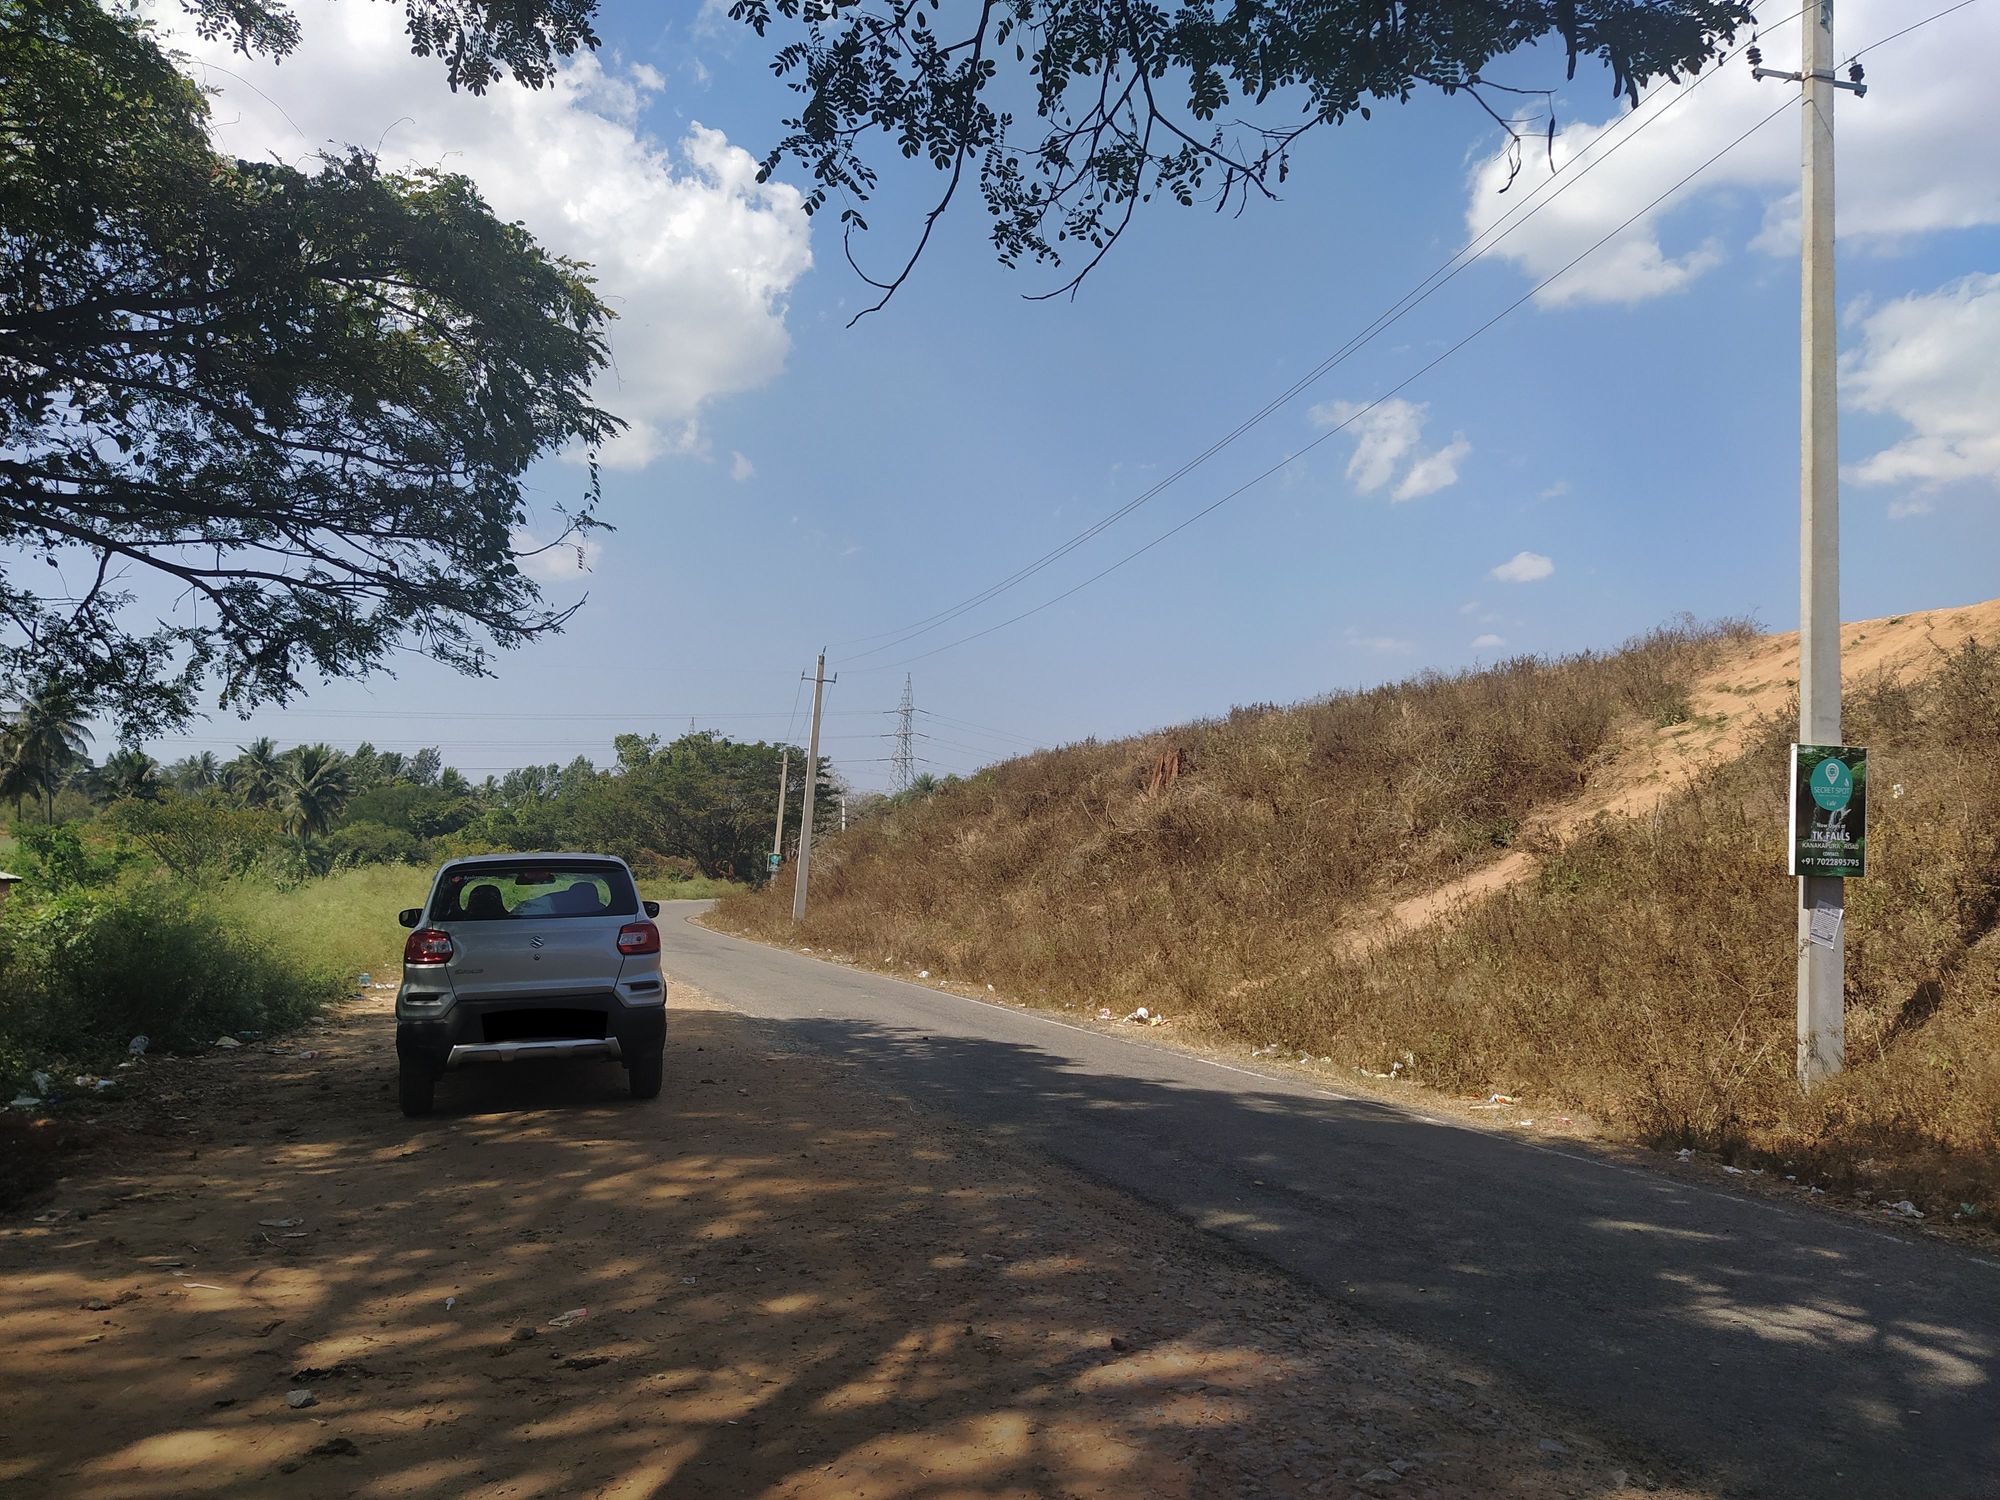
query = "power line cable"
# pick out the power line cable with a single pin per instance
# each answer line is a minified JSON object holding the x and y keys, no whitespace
{"x":1913,"y":26}
{"x":388,"y":713}
{"x":1353,"y":417}
{"x":1005,"y":734}
{"x":1467,"y":255}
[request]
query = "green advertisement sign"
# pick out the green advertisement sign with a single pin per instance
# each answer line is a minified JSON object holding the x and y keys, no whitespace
{"x":1829,"y":832}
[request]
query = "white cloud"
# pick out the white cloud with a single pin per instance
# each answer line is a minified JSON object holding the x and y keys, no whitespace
{"x":1433,"y":472}
{"x":1555,"y":491}
{"x":1932,"y":93}
{"x":1487,"y":642}
{"x":741,"y":469}
{"x":1524,"y":567}
{"x":567,"y":563}
{"x":695,"y":256}
{"x":1903,"y":510}
{"x":1929,"y":361}
{"x":1386,"y":435}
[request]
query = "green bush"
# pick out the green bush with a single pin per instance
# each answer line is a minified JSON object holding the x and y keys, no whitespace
{"x":375,"y":844}
{"x":201,"y":837}
{"x":84,"y":971}
{"x":59,"y":859}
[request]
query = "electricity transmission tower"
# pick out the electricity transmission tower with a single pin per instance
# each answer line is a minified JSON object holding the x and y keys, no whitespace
{"x":906,"y":740}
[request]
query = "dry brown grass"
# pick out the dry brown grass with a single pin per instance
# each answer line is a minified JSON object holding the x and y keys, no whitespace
{"x":1645,"y":973}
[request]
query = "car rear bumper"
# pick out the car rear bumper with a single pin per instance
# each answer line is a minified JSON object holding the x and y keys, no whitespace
{"x":506,"y":1031}
{"x":506,"y":1052}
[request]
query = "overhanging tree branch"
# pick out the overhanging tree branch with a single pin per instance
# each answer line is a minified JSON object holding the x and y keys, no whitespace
{"x":871,"y":75}
{"x":305,"y":397}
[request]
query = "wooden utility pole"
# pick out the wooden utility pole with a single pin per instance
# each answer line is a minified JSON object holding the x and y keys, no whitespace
{"x":1821,"y":1019}
{"x":812,"y":783}
{"x":778,"y":835}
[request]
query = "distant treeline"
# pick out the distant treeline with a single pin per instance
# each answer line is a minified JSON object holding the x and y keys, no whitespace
{"x":698,"y":805}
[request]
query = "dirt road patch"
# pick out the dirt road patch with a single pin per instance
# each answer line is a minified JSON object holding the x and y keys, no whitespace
{"x":768,"y":1283}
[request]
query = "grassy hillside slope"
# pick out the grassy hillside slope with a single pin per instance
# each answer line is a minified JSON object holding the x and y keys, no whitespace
{"x":1238,"y":874}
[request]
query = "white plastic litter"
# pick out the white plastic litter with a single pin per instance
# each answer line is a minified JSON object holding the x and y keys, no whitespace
{"x":1905,"y":1208}
{"x":138,"y":1045}
{"x":227,"y":1043}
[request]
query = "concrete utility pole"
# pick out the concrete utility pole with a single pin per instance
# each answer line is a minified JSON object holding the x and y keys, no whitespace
{"x":778,"y":837}
{"x":812,"y":783}
{"x":1822,"y":1043}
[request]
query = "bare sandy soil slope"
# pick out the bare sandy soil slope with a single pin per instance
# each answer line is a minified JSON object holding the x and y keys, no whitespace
{"x":1754,"y":681}
{"x":768,"y":1283}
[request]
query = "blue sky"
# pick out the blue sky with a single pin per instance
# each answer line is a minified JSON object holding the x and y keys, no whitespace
{"x":1620,"y":450}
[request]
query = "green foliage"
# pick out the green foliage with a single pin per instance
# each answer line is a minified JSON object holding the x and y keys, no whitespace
{"x":84,"y":971}
{"x":343,"y":924}
{"x":690,"y":888}
{"x":129,"y":773}
{"x":376,"y":844}
{"x":1132,"y":99}
{"x":305,"y":396}
{"x":201,"y":837}
{"x":61,"y":860}
{"x":42,"y":742}
{"x":425,"y":812}
{"x":312,"y":789}
{"x":480,"y":41}
{"x":702,"y":798}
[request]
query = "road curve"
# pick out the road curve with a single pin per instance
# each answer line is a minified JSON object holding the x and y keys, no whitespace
{"x":1766,"y":1350}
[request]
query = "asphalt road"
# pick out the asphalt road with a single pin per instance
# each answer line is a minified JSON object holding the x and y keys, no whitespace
{"x":1764,"y":1350}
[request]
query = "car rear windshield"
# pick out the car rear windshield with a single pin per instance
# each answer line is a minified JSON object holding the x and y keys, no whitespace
{"x":533,"y":890}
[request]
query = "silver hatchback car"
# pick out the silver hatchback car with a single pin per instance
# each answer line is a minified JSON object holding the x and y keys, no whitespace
{"x":525,"y":956}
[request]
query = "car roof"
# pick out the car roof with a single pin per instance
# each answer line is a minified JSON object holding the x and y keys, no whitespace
{"x":531,"y":854}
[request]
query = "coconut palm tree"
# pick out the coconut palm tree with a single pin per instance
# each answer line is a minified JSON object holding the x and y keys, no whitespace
{"x":255,"y":775}
{"x":312,"y":785}
{"x":129,"y":772}
{"x":196,"y":773}
{"x":42,"y":742}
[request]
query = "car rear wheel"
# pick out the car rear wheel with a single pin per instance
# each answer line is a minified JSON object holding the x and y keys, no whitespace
{"x":644,"y":1074}
{"x":416,"y":1087}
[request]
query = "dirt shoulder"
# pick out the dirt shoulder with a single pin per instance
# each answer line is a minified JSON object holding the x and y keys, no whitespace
{"x":780,"y":1285}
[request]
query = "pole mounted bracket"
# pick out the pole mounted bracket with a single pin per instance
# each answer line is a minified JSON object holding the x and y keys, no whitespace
{"x":1852,"y":82}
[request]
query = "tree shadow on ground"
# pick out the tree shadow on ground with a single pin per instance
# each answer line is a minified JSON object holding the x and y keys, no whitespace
{"x":788,"y":1285}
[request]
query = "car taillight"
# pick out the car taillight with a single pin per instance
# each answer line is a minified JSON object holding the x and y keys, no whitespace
{"x":427,"y":945}
{"x":638,"y":937}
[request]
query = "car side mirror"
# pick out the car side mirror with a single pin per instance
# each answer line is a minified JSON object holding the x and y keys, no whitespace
{"x":652,"y":908}
{"x":408,"y":915}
